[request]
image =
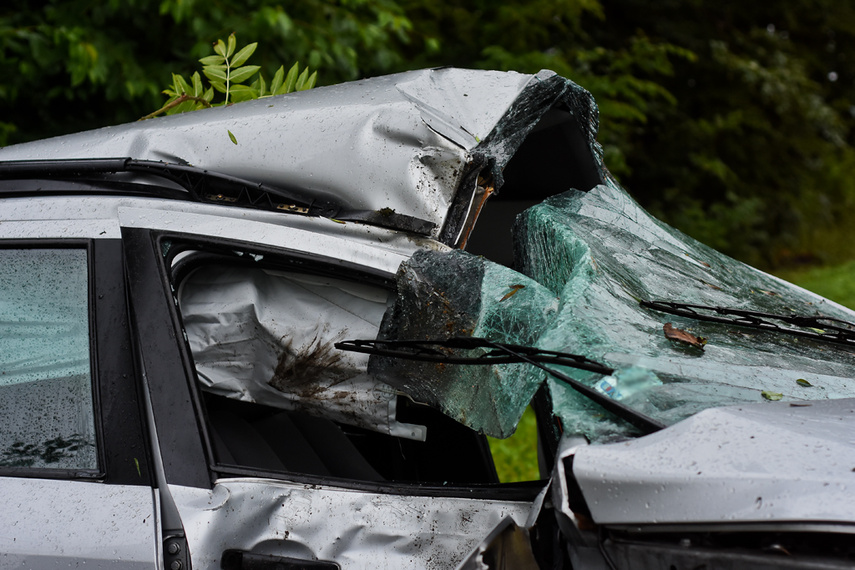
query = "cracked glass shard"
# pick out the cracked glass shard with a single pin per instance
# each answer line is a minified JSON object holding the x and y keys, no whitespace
{"x":442,"y":295}
{"x":601,"y":253}
{"x":588,"y":259}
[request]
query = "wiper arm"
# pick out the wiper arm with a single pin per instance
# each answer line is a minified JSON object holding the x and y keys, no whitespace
{"x":429,"y":351}
{"x":208,"y":186}
{"x":821,"y":328}
{"x":501,"y":353}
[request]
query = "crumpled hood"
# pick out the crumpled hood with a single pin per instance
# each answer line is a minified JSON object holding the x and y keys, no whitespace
{"x":772,"y":462}
{"x":414,"y":143}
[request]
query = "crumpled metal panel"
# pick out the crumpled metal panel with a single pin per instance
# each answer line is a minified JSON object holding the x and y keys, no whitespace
{"x":508,"y":546}
{"x":356,"y":529}
{"x":403,"y":142}
{"x":757,"y":463}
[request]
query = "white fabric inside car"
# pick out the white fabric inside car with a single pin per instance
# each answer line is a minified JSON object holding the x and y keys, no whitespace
{"x":267,"y":337}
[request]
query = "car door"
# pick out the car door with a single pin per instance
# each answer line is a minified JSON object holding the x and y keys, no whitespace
{"x":74,"y":466}
{"x":305,"y":483}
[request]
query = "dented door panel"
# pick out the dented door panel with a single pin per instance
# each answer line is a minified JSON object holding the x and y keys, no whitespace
{"x":355,"y":529}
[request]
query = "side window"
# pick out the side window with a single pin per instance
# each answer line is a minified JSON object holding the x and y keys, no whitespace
{"x":280,"y":397}
{"x":46,"y":402}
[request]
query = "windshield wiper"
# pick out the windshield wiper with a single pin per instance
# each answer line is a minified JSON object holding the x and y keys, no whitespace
{"x":501,"y":353}
{"x":201,"y":186}
{"x":820,"y":328}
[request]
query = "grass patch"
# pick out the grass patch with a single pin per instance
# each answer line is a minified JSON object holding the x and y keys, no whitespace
{"x":836,"y":282}
{"x":516,"y":456}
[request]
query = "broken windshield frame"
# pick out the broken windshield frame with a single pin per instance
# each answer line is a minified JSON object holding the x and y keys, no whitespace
{"x":420,"y":350}
{"x":822,"y":328}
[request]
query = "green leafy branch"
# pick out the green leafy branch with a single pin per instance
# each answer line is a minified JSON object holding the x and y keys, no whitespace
{"x":227,"y":73}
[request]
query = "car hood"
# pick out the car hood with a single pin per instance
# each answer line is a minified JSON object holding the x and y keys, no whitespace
{"x":761,"y":463}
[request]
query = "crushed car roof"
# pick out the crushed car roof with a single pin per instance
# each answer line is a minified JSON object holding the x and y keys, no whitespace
{"x":415,"y":151}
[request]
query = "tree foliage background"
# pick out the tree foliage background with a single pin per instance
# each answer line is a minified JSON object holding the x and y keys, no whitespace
{"x":730,"y":120}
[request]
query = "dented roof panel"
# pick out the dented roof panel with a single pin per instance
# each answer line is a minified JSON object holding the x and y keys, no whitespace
{"x":411,"y":143}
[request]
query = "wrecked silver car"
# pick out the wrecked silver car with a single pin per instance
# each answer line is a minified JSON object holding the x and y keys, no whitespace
{"x":276,"y":334}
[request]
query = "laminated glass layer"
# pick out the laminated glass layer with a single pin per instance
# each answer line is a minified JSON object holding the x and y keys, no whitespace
{"x":587,"y":261}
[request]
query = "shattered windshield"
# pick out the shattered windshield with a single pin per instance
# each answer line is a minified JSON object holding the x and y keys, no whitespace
{"x":587,"y":261}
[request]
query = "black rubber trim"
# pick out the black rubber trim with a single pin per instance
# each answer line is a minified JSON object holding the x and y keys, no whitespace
{"x":127,"y":458}
{"x":548,"y":434}
{"x":154,"y":317}
{"x":240,"y":560}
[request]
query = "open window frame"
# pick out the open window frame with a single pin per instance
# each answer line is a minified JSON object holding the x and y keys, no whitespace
{"x":179,"y":405}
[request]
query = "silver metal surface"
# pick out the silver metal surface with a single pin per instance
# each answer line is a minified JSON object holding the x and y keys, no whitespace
{"x":367,"y":252}
{"x":353,"y":528}
{"x":767,"y":463}
{"x":508,"y":546}
{"x":57,"y":524}
{"x":401,"y":142}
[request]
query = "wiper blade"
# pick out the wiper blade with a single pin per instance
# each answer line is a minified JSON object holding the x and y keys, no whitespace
{"x":501,"y":353}
{"x":429,"y":351}
{"x":207,"y":186}
{"x":819,"y":328}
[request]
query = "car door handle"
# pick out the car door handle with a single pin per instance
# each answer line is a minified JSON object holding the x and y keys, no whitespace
{"x":241,"y":560}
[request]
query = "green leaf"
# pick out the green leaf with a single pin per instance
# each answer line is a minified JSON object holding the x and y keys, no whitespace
{"x":243,"y":55}
{"x":291,"y":78}
{"x":243,"y":73}
{"x":137,"y":463}
{"x":182,"y":108}
{"x":181,"y":83}
{"x":213,"y":60}
{"x":278,"y":78}
{"x":773,"y":396}
{"x":803,"y":382}
{"x":213,"y":73}
{"x":220,"y":48}
{"x":197,"y":85}
{"x":310,"y":82}
{"x":218,"y":85}
{"x":234,"y":140}
{"x":260,"y":85}
{"x":209,"y":94}
{"x":243,"y":93}
{"x":232,"y":45}
{"x":302,"y":80}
